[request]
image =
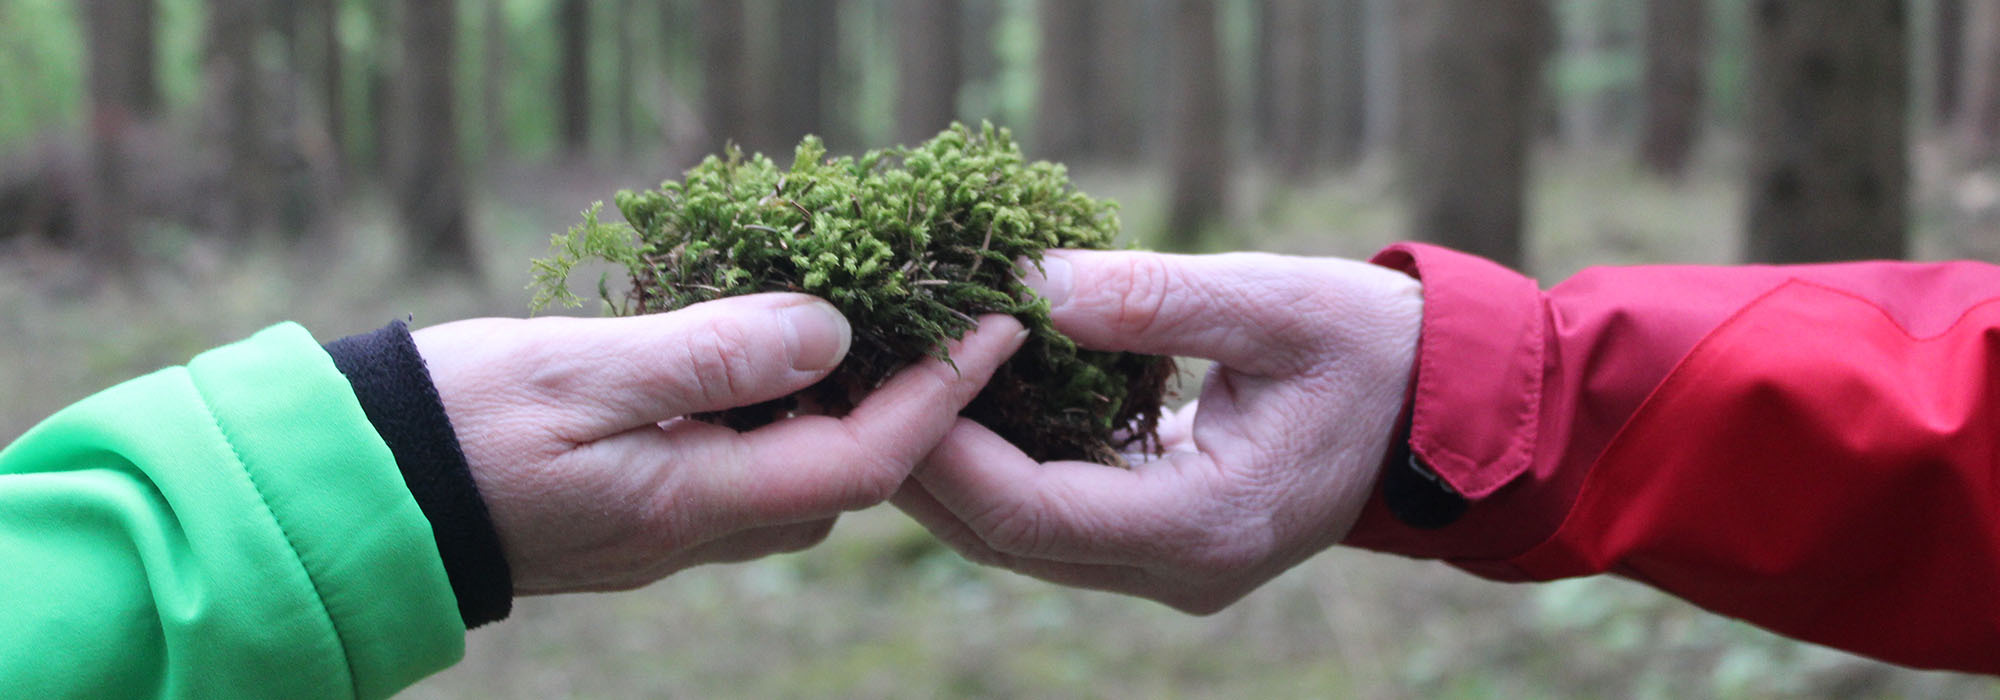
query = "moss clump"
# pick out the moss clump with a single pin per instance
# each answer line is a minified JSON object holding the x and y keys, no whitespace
{"x":911,"y":244}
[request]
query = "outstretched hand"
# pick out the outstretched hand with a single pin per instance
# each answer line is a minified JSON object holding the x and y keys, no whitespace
{"x":574,"y":432}
{"x":1271,"y":465}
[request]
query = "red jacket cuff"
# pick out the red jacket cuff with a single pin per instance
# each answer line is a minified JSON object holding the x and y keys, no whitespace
{"x":1479,"y":367}
{"x":1475,"y":407}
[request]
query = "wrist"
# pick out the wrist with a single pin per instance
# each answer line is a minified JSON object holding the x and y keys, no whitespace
{"x":394,"y":387}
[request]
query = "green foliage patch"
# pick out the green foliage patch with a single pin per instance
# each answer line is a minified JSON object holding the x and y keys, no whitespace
{"x":911,"y":244}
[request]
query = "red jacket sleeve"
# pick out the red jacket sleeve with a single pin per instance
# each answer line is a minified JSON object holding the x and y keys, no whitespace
{"x":1814,"y":449}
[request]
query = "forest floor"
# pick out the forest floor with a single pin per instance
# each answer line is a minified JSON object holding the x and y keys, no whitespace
{"x":880,"y":610}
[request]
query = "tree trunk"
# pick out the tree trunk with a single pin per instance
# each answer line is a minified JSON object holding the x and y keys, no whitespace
{"x":808,"y":59}
{"x":1979,"y":92}
{"x":982,"y":62}
{"x":144,"y":39}
{"x":1266,"y":77}
{"x":1062,"y":97}
{"x":929,"y":67}
{"x":1676,"y":53}
{"x":725,"y":65}
{"x":1473,"y":70}
{"x":431,"y":196}
{"x":1296,"y":76}
{"x":284,"y":17}
{"x":1827,"y":101}
{"x":118,"y":83}
{"x":573,"y":81}
{"x":1117,"y":89}
{"x":1200,"y":160}
{"x":1345,"y":100}
{"x":1949,"y":60}
{"x":493,"y":78}
{"x":325,"y":16}
{"x":240,"y":119}
{"x":1583,"y":37}
{"x":385,"y":54}
{"x":624,"y":83}
{"x":1383,"y":84}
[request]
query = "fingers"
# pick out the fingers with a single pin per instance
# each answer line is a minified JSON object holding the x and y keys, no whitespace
{"x":758,"y":542}
{"x":811,"y":467}
{"x":621,"y":510}
{"x":1077,"y":512}
{"x":635,"y":371}
{"x":917,"y":502}
{"x":1176,"y":428}
{"x":1253,"y":312}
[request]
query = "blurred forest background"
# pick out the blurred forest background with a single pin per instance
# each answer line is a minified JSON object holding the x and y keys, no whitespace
{"x":175,"y":174}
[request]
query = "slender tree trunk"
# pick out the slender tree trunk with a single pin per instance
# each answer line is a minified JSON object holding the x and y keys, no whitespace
{"x":1584,"y":119}
{"x":573,"y":81}
{"x":1200,"y":160}
{"x":385,"y":58}
{"x":118,"y":85}
{"x":1062,"y":101}
{"x":1950,"y":60}
{"x":298,"y":151}
{"x":725,"y":64}
{"x":241,"y":121}
{"x":431,"y":197}
{"x":1267,"y":76}
{"x":1117,"y":90}
{"x":929,"y":65}
{"x":1383,"y":83}
{"x":808,"y":60}
{"x":625,"y":84}
{"x":668,"y":109}
{"x":1827,"y":103}
{"x":325,"y":16}
{"x":982,"y":63}
{"x":1345,"y":101}
{"x":144,"y":39}
{"x":1676,"y":53}
{"x":1978,"y":123}
{"x":1473,"y":76}
{"x":493,"y":78}
{"x":1296,"y":101}
{"x":284,"y":18}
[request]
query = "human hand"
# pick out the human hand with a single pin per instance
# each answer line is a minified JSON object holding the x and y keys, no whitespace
{"x":574,"y":434}
{"x":1271,"y":465}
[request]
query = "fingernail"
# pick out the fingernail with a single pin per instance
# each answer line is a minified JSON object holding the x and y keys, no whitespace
{"x":1052,"y":281}
{"x":816,"y":335}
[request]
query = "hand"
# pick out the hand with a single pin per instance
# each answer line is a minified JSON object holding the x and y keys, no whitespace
{"x":573,"y":433}
{"x":1272,"y":464}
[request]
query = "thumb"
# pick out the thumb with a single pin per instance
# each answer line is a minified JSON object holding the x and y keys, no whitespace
{"x":711,"y":356}
{"x":1252,"y":312}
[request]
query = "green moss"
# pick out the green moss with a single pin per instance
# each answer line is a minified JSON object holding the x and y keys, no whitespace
{"x":911,"y":244}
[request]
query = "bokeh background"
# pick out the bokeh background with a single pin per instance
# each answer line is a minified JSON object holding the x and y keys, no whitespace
{"x":175,"y":174}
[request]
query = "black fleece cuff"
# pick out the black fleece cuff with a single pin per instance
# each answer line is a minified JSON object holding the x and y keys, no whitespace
{"x":396,"y":393}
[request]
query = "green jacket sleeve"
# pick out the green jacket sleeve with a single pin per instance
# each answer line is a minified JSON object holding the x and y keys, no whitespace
{"x":230,"y":528}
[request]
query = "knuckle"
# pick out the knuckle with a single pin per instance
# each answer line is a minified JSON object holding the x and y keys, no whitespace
{"x":877,"y":482}
{"x":551,"y":375}
{"x":719,"y":362}
{"x":1144,"y":284}
{"x":876,"y":476}
{"x":1011,"y":528}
